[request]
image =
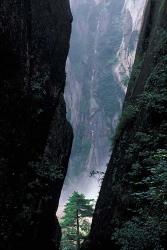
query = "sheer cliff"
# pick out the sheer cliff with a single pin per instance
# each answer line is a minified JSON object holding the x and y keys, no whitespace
{"x":104,"y":39}
{"x":35,"y":137}
{"x":132,"y":206}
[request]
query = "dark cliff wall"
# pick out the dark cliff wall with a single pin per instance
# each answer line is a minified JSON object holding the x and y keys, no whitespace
{"x":131,"y":209}
{"x":35,"y":138}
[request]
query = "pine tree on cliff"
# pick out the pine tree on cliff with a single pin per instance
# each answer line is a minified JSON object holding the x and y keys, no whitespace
{"x":74,"y":222}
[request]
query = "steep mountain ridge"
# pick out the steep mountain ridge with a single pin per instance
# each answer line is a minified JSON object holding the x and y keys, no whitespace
{"x":97,"y":70}
{"x":131,"y":209}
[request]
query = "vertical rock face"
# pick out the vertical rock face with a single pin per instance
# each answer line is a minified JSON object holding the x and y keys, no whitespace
{"x":132,"y":16}
{"x":35,"y":138}
{"x":131,"y":208}
{"x":105,"y":35}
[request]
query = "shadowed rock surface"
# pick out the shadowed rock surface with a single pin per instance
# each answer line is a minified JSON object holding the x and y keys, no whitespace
{"x":131,"y":208}
{"x":35,"y":137}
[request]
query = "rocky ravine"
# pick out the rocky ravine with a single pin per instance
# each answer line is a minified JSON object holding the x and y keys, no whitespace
{"x":131,"y":209}
{"x":35,"y":136}
{"x":103,"y":46}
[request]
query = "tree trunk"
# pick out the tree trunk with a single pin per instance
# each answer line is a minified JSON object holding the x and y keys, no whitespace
{"x":78,"y":236}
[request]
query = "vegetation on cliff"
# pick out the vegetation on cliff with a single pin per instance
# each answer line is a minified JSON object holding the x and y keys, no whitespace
{"x":131,"y":212}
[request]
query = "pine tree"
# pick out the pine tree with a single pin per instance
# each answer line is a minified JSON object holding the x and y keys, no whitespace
{"x":75,"y":222}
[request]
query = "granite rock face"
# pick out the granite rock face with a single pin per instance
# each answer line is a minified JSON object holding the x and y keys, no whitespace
{"x":35,"y":137}
{"x":103,"y":46}
{"x":131,"y":209}
{"x":132,"y":18}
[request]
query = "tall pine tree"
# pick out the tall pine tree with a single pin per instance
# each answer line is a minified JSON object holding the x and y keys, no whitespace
{"x":75,"y":223}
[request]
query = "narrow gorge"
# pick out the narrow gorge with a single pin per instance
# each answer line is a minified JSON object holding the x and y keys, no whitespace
{"x":103,"y":46}
{"x":83,"y":125}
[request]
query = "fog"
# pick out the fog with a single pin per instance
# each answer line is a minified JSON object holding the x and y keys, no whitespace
{"x":103,"y":44}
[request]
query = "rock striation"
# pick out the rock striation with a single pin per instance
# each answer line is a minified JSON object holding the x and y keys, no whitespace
{"x":103,"y":46}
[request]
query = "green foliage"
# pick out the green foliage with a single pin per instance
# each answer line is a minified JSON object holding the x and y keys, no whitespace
{"x":77,"y":202}
{"x":145,"y":161}
{"x":148,"y":230}
{"x":160,"y":45}
{"x":76,"y":221}
{"x":137,"y":67}
{"x":157,"y":180}
{"x":69,"y":238}
{"x":126,"y":119}
{"x":125,"y":80}
{"x":139,"y":234}
{"x":162,"y":6}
